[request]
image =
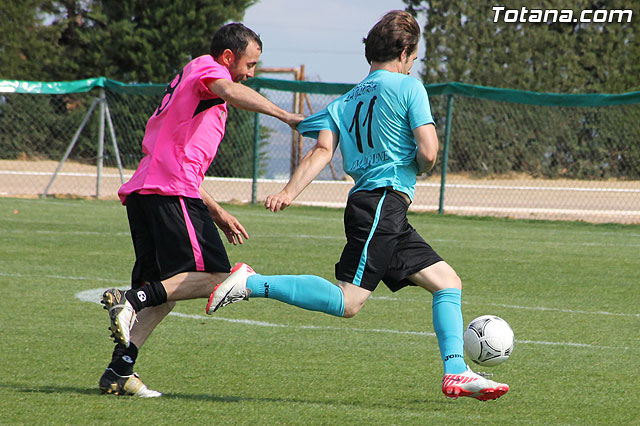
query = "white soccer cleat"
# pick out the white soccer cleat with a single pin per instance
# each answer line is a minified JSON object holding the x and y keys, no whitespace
{"x":233,"y":289}
{"x":121,"y":314}
{"x":473,"y":385}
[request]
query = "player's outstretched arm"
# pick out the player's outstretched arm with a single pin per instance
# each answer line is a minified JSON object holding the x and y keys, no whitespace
{"x":311,"y":165}
{"x":244,"y":97}
{"x":228,"y":224}
{"x":427,"y":140}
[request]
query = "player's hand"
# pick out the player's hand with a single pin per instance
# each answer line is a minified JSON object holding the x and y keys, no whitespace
{"x":230,"y":226}
{"x":293,"y":120}
{"x":279,"y":201}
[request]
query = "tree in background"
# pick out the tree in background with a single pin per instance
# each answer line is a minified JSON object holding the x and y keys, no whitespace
{"x":27,"y":44}
{"x":126,"y":40}
{"x":464,"y":44}
{"x":134,"y":41}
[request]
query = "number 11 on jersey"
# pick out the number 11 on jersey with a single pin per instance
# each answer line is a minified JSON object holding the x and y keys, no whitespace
{"x":368,"y":118}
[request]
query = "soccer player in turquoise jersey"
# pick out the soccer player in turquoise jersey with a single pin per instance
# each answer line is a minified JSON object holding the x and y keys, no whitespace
{"x":387,"y":136}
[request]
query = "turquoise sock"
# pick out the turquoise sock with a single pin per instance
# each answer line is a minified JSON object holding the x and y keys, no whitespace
{"x":448,"y":325}
{"x":304,"y":291}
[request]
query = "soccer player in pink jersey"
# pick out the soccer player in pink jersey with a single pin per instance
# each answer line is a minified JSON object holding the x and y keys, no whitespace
{"x":179,"y":253}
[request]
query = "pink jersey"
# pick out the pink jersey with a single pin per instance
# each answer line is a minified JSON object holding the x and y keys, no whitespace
{"x":182,"y":135}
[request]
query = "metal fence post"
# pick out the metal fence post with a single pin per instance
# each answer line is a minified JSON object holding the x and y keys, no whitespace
{"x":65,"y":156}
{"x":114,"y":142}
{"x":256,"y":148}
{"x":100,"y":158}
{"x":445,"y":154}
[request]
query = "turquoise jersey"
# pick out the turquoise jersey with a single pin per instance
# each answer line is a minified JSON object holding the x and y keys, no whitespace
{"x":375,"y":122}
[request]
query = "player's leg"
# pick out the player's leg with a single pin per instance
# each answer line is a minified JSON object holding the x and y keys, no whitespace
{"x":415,"y":262}
{"x":163,"y":273}
{"x":304,"y":291}
{"x":354,"y":298}
{"x":442,"y":281}
{"x":147,"y":321}
{"x":361,"y":264}
{"x":176,"y":238}
{"x":119,"y":377}
{"x":308,"y":292}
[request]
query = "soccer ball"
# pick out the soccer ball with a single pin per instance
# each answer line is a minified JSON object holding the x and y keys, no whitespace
{"x":488,"y":340}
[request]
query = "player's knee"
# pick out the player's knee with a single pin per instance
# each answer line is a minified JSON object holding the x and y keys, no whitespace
{"x":348,"y":313}
{"x":350,"y":310}
{"x":451,"y":281}
{"x":456,"y":282}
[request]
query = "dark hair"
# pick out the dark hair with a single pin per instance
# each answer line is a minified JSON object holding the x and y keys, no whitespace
{"x":395,"y":32}
{"x":235,"y":37}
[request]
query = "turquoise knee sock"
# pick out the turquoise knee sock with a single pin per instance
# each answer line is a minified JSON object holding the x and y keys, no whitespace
{"x":304,"y":291}
{"x":448,"y":325}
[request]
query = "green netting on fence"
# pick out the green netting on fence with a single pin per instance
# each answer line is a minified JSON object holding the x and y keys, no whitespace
{"x":509,"y":152}
{"x":318,"y":88}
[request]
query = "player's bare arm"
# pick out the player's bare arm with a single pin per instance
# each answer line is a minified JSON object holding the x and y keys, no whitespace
{"x":230,"y":226}
{"x":311,"y":165}
{"x":427,"y":140}
{"x":246,"y":98}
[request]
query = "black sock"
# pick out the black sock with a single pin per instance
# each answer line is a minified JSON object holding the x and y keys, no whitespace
{"x":123,"y":359}
{"x":152,"y":294}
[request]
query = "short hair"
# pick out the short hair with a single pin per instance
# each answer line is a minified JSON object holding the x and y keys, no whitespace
{"x":233,"y":36}
{"x":395,"y":32}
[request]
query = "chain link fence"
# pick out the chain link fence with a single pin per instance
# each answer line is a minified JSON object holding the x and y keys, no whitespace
{"x":503,"y":152}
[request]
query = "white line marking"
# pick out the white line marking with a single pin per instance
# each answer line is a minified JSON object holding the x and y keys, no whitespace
{"x":533,"y":210}
{"x":348,"y":183}
{"x":397,"y":299}
{"x":448,"y":185}
{"x":531,"y":308}
{"x":570,"y":311}
{"x":485,"y":209}
{"x":537,"y":188}
{"x":94,"y":296}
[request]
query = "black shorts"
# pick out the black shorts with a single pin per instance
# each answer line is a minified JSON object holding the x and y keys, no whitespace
{"x":381,"y":244}
{"x":172,"y":235}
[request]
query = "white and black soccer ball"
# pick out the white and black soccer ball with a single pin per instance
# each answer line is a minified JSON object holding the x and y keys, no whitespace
{"x":488,"y":340}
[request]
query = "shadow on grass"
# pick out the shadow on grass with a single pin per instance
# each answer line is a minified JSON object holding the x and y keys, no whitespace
{"x":51,"y":389}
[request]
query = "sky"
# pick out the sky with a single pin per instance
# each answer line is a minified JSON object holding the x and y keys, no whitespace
{"x":323,"y":35}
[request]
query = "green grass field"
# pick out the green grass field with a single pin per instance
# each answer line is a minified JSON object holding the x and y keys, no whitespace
{"x":571,"y":292}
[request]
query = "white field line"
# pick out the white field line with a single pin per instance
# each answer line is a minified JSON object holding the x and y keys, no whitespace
{"x":375,"y":330}
{"x":94,"y":296}
{"x":448,"y":185}
{"x":348,"y":183}
{"x":390,"y":298}
{"x":480,"y":209}
{"x":530,"y":210}
{"x":528,"y":308}
{"x":536,"y":188}
{"x":415,"y":207}
{"x":441,"y":240}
